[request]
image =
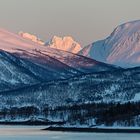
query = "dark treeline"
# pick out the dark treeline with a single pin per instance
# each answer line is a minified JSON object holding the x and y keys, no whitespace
{"x":17,"y":113}
{"x":102,"y":113}
{"x":88,"y":114}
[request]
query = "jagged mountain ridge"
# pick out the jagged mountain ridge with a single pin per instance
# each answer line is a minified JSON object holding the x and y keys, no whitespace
{"x":121,"y":48}
{"x":31,"y":37}
{"x":66,"y":43}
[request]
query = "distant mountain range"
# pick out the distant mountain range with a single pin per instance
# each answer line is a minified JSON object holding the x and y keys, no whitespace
{"x":24,"y":61}
{"x":66,"y":44}
{"x":121,"y":48}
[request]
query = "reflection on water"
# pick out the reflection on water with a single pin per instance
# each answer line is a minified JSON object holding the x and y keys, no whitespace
{"x":35,"y":133}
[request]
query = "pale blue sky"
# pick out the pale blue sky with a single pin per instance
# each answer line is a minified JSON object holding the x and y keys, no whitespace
{"x":85,"y":20}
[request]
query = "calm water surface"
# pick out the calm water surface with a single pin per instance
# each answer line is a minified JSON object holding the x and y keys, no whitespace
{"x":35,"y":133}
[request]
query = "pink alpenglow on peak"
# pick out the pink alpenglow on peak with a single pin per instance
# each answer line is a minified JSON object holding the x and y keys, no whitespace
{"x":121,"y":48}
{"x":65,"y":44}
{"x":31,"y":37}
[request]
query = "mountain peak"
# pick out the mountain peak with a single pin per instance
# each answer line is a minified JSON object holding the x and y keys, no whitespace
{"x":128,"y":28}
{"x":121,"y":48}
{"x":66,"y":43}
{"x":31,"y":37}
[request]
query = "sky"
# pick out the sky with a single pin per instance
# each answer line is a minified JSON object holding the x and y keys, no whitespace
{"x":85,"y":20}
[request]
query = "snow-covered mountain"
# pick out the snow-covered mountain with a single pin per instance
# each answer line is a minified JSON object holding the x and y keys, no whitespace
{"x":24,"y":62}
{"x":27,"y":49}
{"x":66,"y":44}
{"x":121,"y":48}
{"x":62,"y":86}
{"x":31,"y":37}
{"x":18,"y":71}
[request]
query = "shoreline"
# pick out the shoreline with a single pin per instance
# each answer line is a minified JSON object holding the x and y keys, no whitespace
{"x":95,"y":130}
{"x":31,"y":123}
{"x":49,"y":127}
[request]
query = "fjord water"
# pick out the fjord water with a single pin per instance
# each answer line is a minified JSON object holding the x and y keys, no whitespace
{"x":35,"y":133}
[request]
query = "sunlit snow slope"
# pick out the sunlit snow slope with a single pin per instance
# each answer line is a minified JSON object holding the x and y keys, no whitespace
{"x":25,"y":62}
{"x":66,"y":43}
{"x":121,"y":48}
